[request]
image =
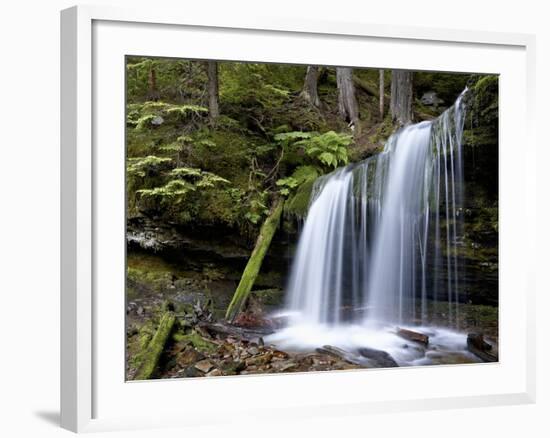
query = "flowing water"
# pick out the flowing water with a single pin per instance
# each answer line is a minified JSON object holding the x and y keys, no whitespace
{"x":380,"y":242}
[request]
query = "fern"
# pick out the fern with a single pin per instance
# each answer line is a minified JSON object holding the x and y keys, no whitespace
{"x":329,"y":148}
{"x":142,"y":166}
{"x":174,"y":188}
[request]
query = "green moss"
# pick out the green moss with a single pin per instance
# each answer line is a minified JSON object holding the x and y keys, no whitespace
{"x":297,"y":205}
{"x":255,"y":262}
{"x":197,"y":341}
{"x":383,"y":131}
{"x":150,"y":356}
{"x":269,"y":297}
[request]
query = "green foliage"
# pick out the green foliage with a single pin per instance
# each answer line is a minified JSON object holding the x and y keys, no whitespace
{"x":172,"y":189}
{"x":298,"y":198}
{"x":186,"y":180}
{"x":266,"y":142}
{"x":257,"y":206}
{"x":300,"y":176}
{"x":143,"y":166}
{"x":287,"y":138}
{"x":256,"y":84}
{"x":287,"y":184}
{"x":143,"y":115}
{"x":175,"y":79}
{"x":329,"y":148}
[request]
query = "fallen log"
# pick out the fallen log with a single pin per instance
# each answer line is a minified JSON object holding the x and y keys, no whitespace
{"x":255,"y":261}
{"x":480,"y":348}
{"x":476,"y":340}
{"x":151,"y":355}
{"x":381,"y":358}
{"x":366,"y":87}
{"x":231,"y":330}
{"x":413,"y":336}
{"x":340,"y":354}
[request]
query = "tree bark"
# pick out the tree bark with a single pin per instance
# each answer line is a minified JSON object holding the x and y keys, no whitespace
{"x":255,"y":261}
{"x":347,"y":102}
{"x":152,"y":92}
{"x":309,"y":92}
{"x":401,"y":96}
{"x":213,"y":92}
{"x":381,"y":92}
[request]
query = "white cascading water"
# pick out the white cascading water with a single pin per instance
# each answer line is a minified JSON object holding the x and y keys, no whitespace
{"x":380,"y":242}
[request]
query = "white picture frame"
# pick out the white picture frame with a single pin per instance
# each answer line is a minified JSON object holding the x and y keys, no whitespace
{"x":92,"y":42}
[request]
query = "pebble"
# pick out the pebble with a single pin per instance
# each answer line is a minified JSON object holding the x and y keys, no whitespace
{"x":204,"y":365}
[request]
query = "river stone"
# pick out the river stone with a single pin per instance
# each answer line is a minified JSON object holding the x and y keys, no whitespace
{"x":204,"y":365}
{"x":380,"y":358}
{"x":192,"y":372}
{"x":189,"y":356}
{"x":282,"y":366}
{"x":157,"y":121}
{"x":259,"y":360}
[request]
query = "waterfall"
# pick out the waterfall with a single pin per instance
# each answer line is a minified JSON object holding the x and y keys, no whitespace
{"x":381,"y":239}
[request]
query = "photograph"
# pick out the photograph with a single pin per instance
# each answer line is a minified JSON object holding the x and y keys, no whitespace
{"x":286,"y":218}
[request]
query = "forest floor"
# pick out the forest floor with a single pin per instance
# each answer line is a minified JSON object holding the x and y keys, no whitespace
{"x":201,"y":343}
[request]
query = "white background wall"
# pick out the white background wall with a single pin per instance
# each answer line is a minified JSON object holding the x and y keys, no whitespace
{"x":29,"y":217}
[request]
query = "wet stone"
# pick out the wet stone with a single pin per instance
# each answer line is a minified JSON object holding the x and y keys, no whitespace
{"x":204,"y":365}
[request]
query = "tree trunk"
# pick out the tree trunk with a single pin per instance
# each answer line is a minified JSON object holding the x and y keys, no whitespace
{"x":213,"y":93}
{"x":309,"y":92}
{"x":381,"y":93}
{"x":151,"y":355}
{"x":152,"y":92}
{"x":401,"y":96}
{"x":255,"y":261}
{"x":347,"y":102}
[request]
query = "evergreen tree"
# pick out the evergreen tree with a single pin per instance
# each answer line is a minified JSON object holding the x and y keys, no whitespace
{"x":401,"y":96}
{"x":347,"y":102}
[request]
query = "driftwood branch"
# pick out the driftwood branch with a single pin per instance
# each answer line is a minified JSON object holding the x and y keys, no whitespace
{"x":236,"y":332}
{"x":413,"y":336}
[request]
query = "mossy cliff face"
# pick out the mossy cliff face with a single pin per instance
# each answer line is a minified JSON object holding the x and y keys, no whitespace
{"x":481,"y":152}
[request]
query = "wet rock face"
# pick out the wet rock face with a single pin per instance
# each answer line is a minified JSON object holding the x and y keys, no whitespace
{"x":430,"y":98}
{"x":151,"y":234}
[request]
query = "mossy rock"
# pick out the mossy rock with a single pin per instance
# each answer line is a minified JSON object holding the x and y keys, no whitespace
{"x":196,"y":340}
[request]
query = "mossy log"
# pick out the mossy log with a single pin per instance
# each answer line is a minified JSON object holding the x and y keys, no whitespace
{"x":255,"y":261}
{"x":151,"y":355}
{"x":366,"y":87}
